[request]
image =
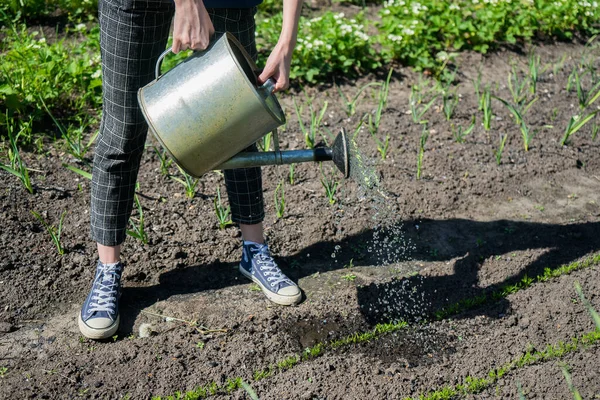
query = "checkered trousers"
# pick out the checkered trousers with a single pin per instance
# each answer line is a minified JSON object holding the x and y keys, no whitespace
{"x":133,"y":33}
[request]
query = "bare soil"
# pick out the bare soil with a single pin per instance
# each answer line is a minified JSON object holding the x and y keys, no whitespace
{"x":467,"y":228}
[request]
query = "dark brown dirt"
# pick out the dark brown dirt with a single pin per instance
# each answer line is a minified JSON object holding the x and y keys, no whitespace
{"x":469,"y":226}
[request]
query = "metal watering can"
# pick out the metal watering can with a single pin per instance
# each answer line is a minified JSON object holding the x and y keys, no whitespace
{"x":208,"y":109}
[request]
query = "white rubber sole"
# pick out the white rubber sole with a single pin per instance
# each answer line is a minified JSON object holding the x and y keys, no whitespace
{"x":92,"y":333}
{"x":274,"y":297}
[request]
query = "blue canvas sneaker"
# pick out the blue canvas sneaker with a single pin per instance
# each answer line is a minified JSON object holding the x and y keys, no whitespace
{"x":99,"y":316}
{"x":258,"y":265}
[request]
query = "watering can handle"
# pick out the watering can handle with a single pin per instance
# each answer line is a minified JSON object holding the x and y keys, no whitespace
{"x":160,"y":60}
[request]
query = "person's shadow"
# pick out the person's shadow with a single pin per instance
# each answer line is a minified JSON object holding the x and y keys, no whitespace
{"x":467,"y":243}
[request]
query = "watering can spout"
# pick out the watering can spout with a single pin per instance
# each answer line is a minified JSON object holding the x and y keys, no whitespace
{"x":338,"y":153}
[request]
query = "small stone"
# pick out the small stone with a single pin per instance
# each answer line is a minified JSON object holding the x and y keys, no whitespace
{"x":524,"y":323}
{"x":6,"y":327}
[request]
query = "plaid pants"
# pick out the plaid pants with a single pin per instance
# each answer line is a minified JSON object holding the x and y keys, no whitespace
{"x":133,"y":33}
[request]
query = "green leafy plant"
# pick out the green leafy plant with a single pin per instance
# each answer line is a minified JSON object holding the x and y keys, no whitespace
{"x":3,"y":371}
{"x":576,"y":123}
{"x":188,"y":182}
{"x":535,"y":70}
{"x":517,"y":86}
{"x":422,"y":141}
{"x":137,"y":230}
{"x":79,"y":171}
{"x":223,"y":213}
{"x":279,"y":198}
{"x":595,"y":128}
{"x":498,"y":152}
{"x":265,"y":143}
{"x":53,"y":231}
{"x":585,"y":97}
{"x":459,"y":134}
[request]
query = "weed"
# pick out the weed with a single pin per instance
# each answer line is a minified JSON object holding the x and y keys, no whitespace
{"x":188,"y":182}
{"x":3,"y":371}
{"x":279,"y":198}
{"x":255,"y":288}
{"x":288,"y":363}
{"x":498,"y":152}
{"x":222,"y":212}
{"x":330,"y":184}
{"x":576,"y":123}
{"x":54,"y":231}
{"x":350,"y":103}
{"x":459,"y":134}
{"x":165,"y":161}
{"x":421,"y":153}
{"x":316,"y":117}
{"x":137,"y":230}
{"x":349,"y":277}
{"x":312,"y":352}
{"x":262,"y":374}
{"x":200,"y":345}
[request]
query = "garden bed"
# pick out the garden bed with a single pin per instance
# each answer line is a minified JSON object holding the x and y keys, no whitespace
{"x":485,"y":251}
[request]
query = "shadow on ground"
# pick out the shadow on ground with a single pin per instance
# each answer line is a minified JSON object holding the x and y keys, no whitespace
{"x":468,"y":243}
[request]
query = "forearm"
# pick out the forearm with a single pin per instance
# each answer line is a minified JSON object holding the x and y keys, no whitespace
{"x":289,"y":29}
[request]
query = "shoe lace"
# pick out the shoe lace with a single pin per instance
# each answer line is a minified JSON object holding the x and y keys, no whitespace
{"x":269,"y":267}
{"x":105,"y":291}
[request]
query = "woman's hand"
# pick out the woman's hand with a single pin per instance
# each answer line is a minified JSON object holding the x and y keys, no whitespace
{"x":280,"y":59}
{"x":192,"y":28}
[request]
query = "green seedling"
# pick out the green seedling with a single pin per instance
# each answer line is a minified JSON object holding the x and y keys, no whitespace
{"x":486,"y":105}
{"x":517,"y":87}
{"x":78,"y":171}
{"x":382,"y":146}
{"x":498,"y":152}
{"x":249,"y":390}
{"x":265,"y":143}
{"x":417,"y":108}
{"x":382,"y":98}
{"x":572,"y":389}
{"x":137,"y":230}
{"x":357,"y":130}
{"x":330,"y":184}
{"x":585,"y":97}
{"x":459,"y":134}
{"x":421,"y":153}
{"x":350,"y":103}
{"x":3,"y":371}
{"x":349,"y":277}
{"x":279,"y":198}
{"x":316,"y":118}
{"x":76,"y":146}
{"x":292,"y":173}
{"x":17,"y":167}
{"x":200,"y":345}
{"x":165,"y":161}
{"x":477,"y":87}
{"x":559,"y":65}
{"x":54,"y":231}
{"x":449,"y":103}
{"x":188,"y":182}
{"x":595,"y":128}
{"x":526,"y":133}
{"x":223,"y":213}
{"x":586,"y":302}
{"x":576,"y":123}
{"x":534,"y":72}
